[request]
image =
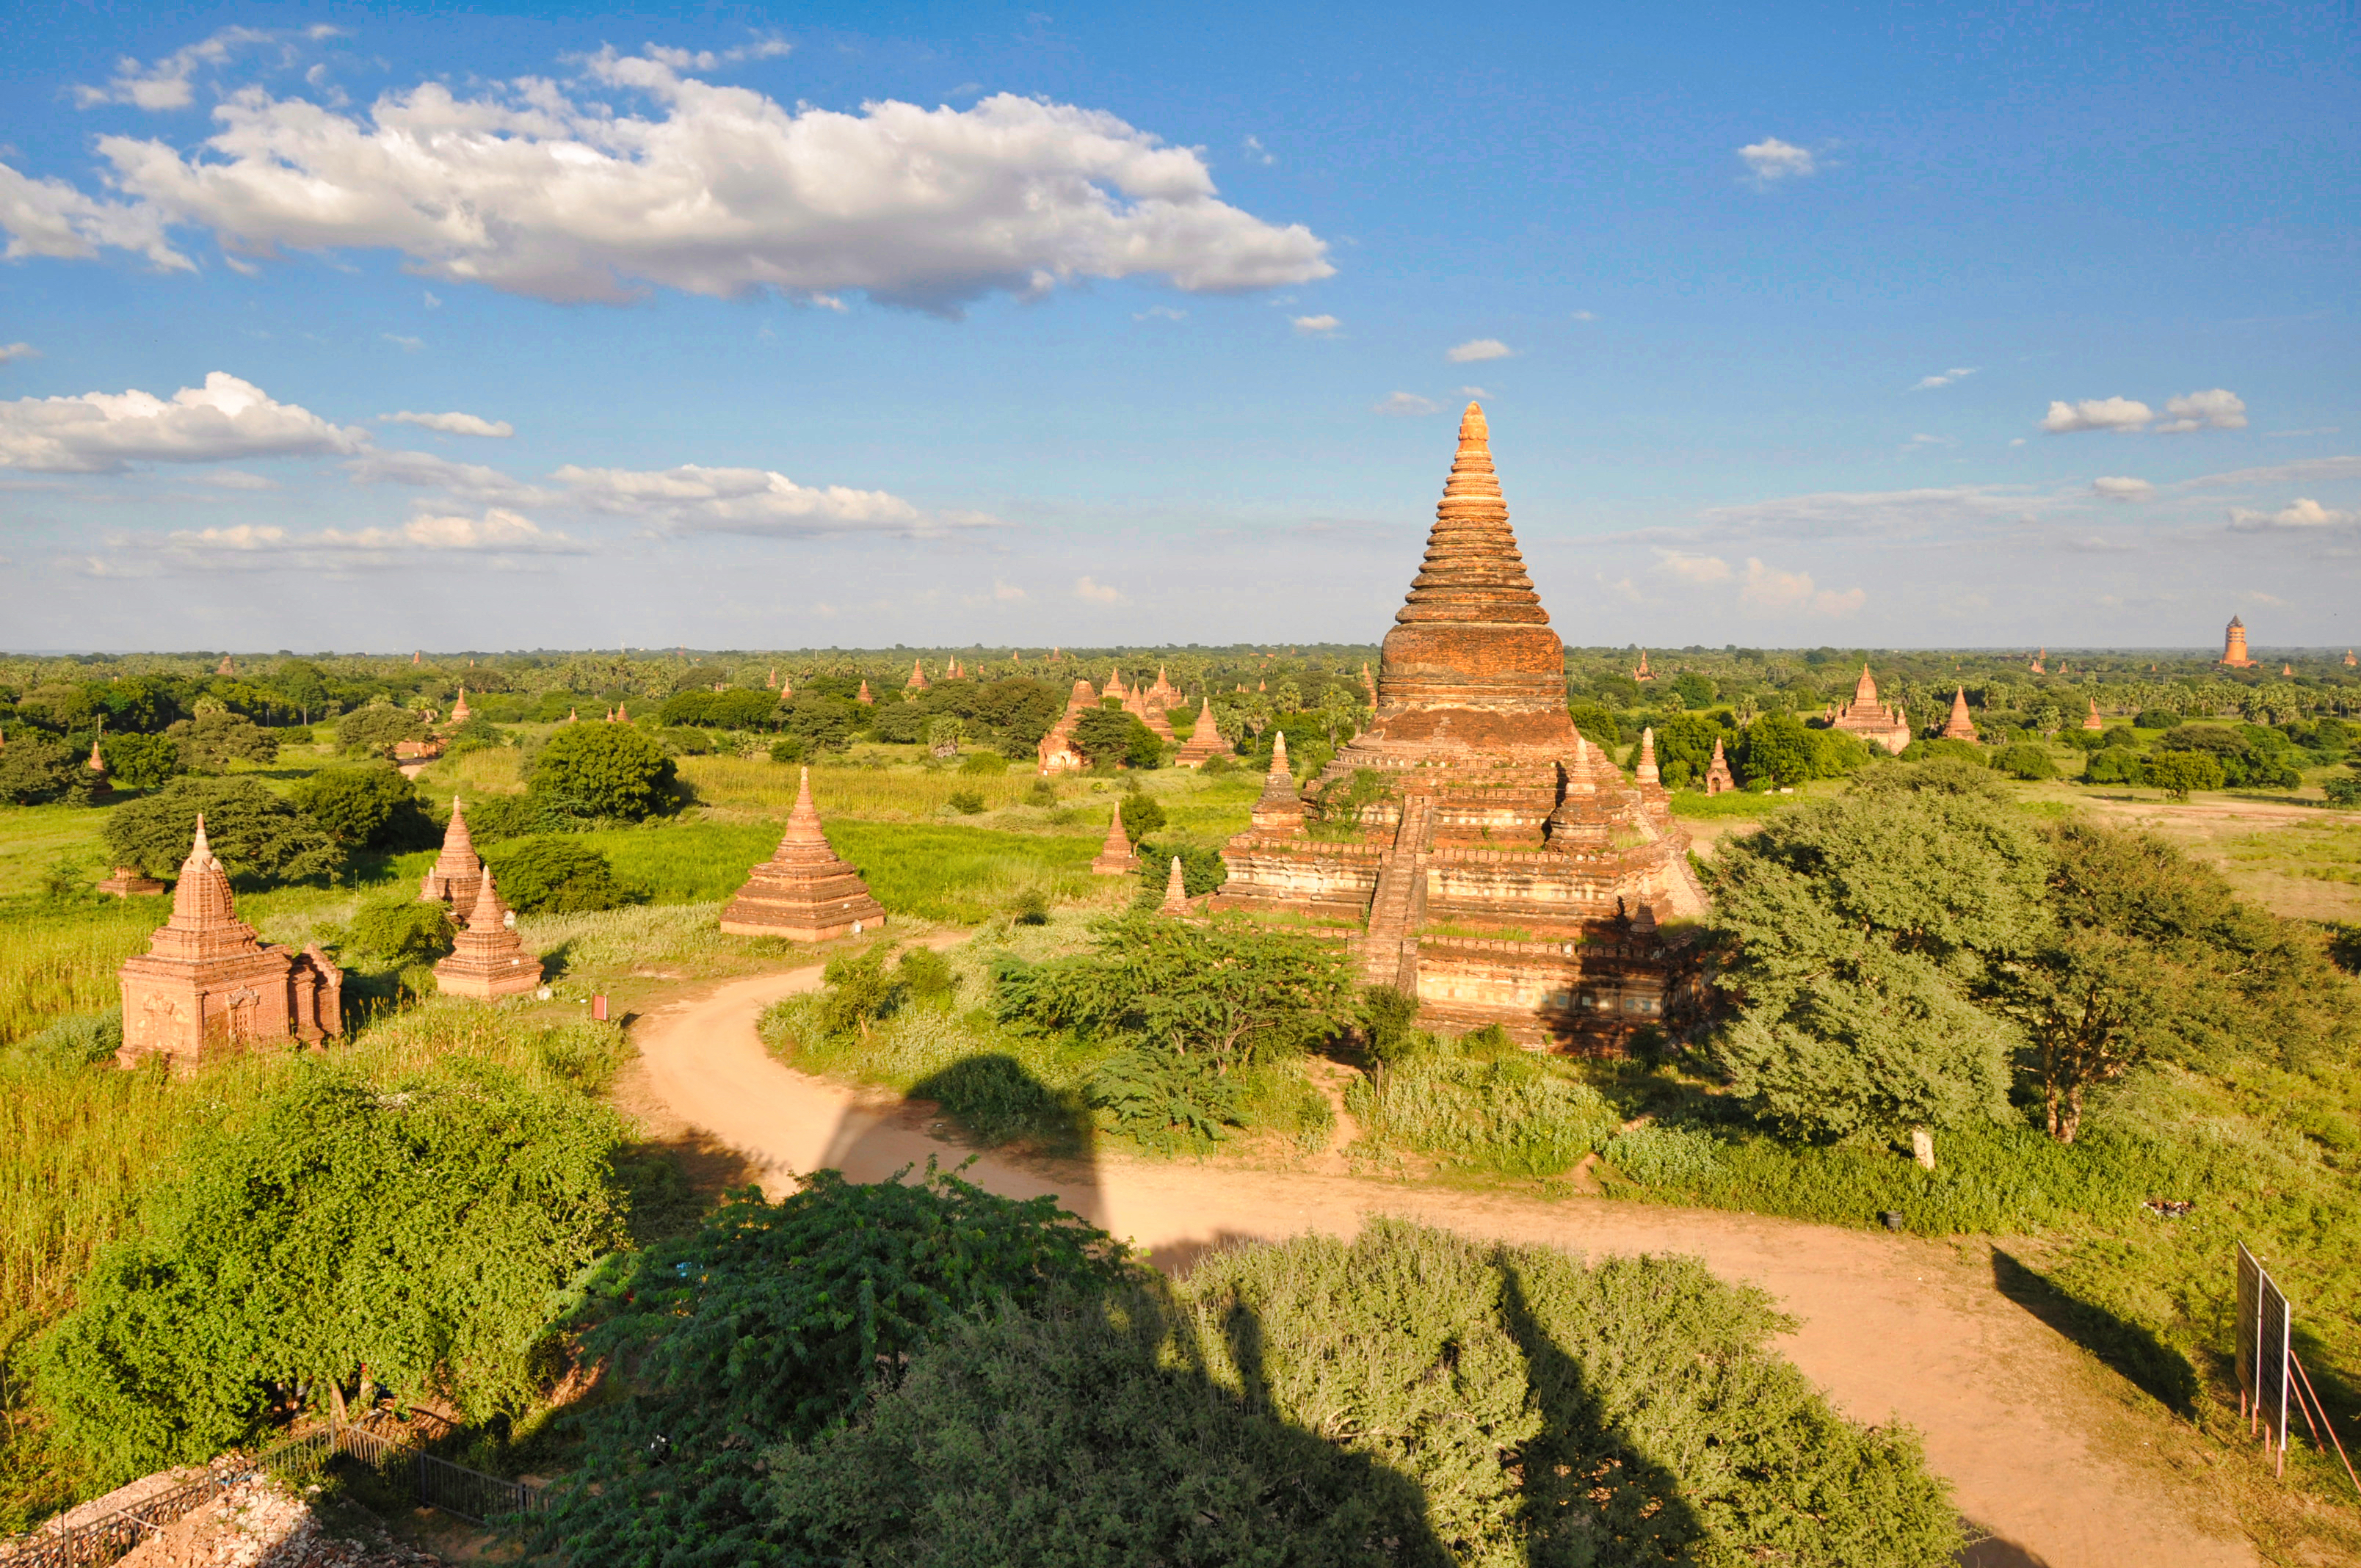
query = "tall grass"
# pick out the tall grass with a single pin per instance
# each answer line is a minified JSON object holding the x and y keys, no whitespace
{"x":881,"y":794}
{"x":59,"y":960}
{"x":35,"y":837}
{"x":1517,"y":1116}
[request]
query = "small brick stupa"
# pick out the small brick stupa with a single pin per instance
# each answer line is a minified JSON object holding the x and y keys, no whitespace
{"x":1204,"y":741}
{"x":1176,"y":891}
{"x":1643,"y":673}
{"x":227,"y":668}
{"x":862,"y":695}
{"x":1506,"y":870}
{"x":2350,"y":662}
{"x":1871,"y":719}
{"x":102,"y":784}
{"x":1959,"y":727}
{"x":803,"y":892}
{"x":488,"y":959}
{"x":1115,"y":857}
{"x":460,"y":711}
{"x":1717,"y":779}
{"x":2234,"y":646}
{"x":451,"y":879}
{"x":918,"y":681}
{"x":207,"y":985}
{"x":130,"y":882}
{"x":1058,"y":753}
{"x":2093,"y":721}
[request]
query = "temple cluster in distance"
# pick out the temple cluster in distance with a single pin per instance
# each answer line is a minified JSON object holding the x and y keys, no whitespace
{"x":1479,"y":852}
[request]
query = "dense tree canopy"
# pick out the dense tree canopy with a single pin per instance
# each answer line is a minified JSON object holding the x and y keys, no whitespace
{"x":262,"y":839}
{"x":1110,"y":736}
{"x":603,"y":770}
{"x":373,"y":807}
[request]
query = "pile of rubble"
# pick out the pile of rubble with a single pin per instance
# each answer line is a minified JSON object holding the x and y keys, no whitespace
{"x":259,"y":1522}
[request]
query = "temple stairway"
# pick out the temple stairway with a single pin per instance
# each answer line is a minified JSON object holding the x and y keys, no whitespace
{"x":1389,"y":950}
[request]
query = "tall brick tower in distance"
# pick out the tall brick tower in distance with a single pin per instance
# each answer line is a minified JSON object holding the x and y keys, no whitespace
{"x":2234,"y":646}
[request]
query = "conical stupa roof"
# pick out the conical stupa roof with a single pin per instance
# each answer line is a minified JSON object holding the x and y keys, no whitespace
{"x":1473,"y":570}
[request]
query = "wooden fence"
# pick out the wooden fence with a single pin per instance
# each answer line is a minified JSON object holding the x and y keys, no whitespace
{"x":437,"y":1483}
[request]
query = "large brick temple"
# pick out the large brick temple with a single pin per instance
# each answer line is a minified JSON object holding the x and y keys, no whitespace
{"x":1478,"y":851}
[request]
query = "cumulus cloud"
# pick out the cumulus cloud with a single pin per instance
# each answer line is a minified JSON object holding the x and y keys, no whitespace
{"x":1943,"y":379}
{"x":1098,"y":593}
{"x":2096,"y":414}
{"x":1314,"y":326}
{"x":424,"y":470}
{"x":2121,"y":488}
{"x":1585,"y":316}
{"x":693,"y":499}
{"x":1403,"y":403}
{"x":1771,"y":161}
{"x":164,"y":83}
{"x":1478,"y":348}
{"x":717,"y":191}
{"x":498,"y":531}
{"x":2216,"y":409}
{"x":49,"y":217}
{"x":1153,"y":313}
{"x":1697,"y":569}
{"x":235,"y":479}
{"x":2300,"y":514}
{"x":18,"y":351}
{"x":103,"y":431}
{"x":1770,"y":589}
{"x":452,"y":423}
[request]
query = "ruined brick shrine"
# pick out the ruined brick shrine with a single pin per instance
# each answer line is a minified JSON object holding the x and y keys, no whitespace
{"x":803,"y":892}
{"x":1474,"y":847}
{"x":208,"y":984}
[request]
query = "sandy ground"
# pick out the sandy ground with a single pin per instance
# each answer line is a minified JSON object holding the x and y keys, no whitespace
{"x":1893,"y":1327}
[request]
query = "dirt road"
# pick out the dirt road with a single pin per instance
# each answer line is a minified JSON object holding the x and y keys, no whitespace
{"x":1890,"y":1326}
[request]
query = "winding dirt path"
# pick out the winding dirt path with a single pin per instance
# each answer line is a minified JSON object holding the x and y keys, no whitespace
{"x":1890,"y":1326}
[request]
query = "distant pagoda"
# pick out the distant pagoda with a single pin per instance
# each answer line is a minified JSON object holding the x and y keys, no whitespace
{"x":1204,"y":741}
{"x":1057,"y":751}
{"x":2234,"y":646}
{"x":1717,"y":779}
{"x":1871,"y":719}
{"x":451,"y":881}
{"x":1959,"y":727}
{"x":1115,"y":857}
{"x":1506,"y":871}
{"x":803,"y":892}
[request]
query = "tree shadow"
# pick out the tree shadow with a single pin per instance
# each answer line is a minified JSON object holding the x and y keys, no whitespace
{"x":2158,"y":1369}
{"x":1582,"y":1476}
{"x":1996,"y":1552}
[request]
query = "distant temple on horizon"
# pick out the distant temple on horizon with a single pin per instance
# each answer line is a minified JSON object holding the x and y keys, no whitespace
{"x":1498,"y":866}
{"x":2234,"y":646}
{"x":1871,"y":719}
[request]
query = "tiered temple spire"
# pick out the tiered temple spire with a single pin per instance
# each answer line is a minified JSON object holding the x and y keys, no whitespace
{"x":1176,"y":891}
{"x":1280,"y":808}
{"x":918,"y":681}
{"x":803,"y":892}
{"x":488,"y":959}
{"x":1959,"y":727}
{"x":1717,"y":779}
{"x":1204,"y":739}
{"x":451,"y":880}
{"x":1115,"y":857}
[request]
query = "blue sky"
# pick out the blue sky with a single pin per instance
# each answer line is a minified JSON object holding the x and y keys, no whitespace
{"x":859,"y":325}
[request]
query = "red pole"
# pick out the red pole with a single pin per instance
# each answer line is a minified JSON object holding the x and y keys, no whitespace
{"x":598,"y":1008}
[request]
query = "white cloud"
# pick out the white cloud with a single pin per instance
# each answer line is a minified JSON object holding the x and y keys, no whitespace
{"x":102,"y":431}
{"x":1257,"y":152}
{"x":234,"y":480}
{"x":721,"y":192}
{"x":1929,"y":383}
{"x":164,"y":83}
{"x":1771,"y":588}
{"x":433,"y":300}
{"x":1920,"y":443}
{"x":2216,"y":409}
{"x":1475,"y":393}
{"x":1314,"y":326}
{"x":424,"y":470}
{"x":1585,"y":316}
{"x":2119,"y":488}
{"x":1098,"y":593}
{"x":695,"y":500}
{"x":18,"y":351}
{"x":498,"y":531}
{"x":451,"y":423}
{"x":2301,"y":513}
{"x":1152,"y":314}
{"x":1403,"y":403}
{"x":1007,"y":593}
{"x":407,"y":345}
{"x":1478,"y":348}
{"x":2096,"y":414}
{"x":1772,"y":160}
{"x":1697,"y":569}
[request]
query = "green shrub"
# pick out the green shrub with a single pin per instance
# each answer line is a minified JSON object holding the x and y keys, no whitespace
{"x":788,"y":748}
{"x":402,"y":935}
{"x":1202,"y":867}
{"x":777,"y":1322}
{"x":1409,"y":1399}
{"x":1219,"y":762}
{"x":966,"y":802}
{"x":423,"y":1235}
{"x":2344,"y":794}
{"x":604,"y":770}
{"x":1516,"y":1116}
{"x":1141,"y":815}
{"x":2179,"y":773}
{"x":372,"y":731}
{"x":148,"y":761}
{"x":927,"y":975}
{"x":1110,"y":736}
{"x":1660,"y":1155}
{"x":1031,"y":907}
{"x":2115,"y":765}
{"x":38,"y":772}
{"x":554,"y":876}
{"x":262,"y":839}
{"x":2157,"y":718}
{"x":858,"y":991}
{"x":2025,"y":761}
{"x":1163,"y":1099}
{"x":494,"y":817}
{"x":984,"y":762}
{"x":71,"y":1042}
{"x":211,"y":742}
{"x":370,"y":808}
{"x":1041,"y":793}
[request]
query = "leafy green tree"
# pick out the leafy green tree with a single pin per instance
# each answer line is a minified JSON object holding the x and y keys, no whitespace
{"x":211,"y":742}
{"x":1230,"y":990}
{"x":2115,"y":765}
{"x":262,"y":839}
{"x":1598,"y":726}
{"x":416,"y":1239}
{"x":822,"y":723}
{"x":374,"y":730}
{"x":2025,"y":761}
{"x":1109,"y":736}
{"x":141,"y":761}
{"x":776,"y":1323}
{"x":1202,"y":867}
{"x":1340,"y":715}
{"x":1776,"y":749}
{"x":1695,"y":689}
{"x":37,"y":772}
{"x":604,"y":770}
{"x":1685,"y":747}
{"x":2179,"y":773}
{"x":373,"y":807}
{"x":402,"y":935}
{"x":1141,"y":815}
{"x":859,"y":991}
{"x":302,"y":685}
{"x":554,"y":876}
{"x":1858,"y":934}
